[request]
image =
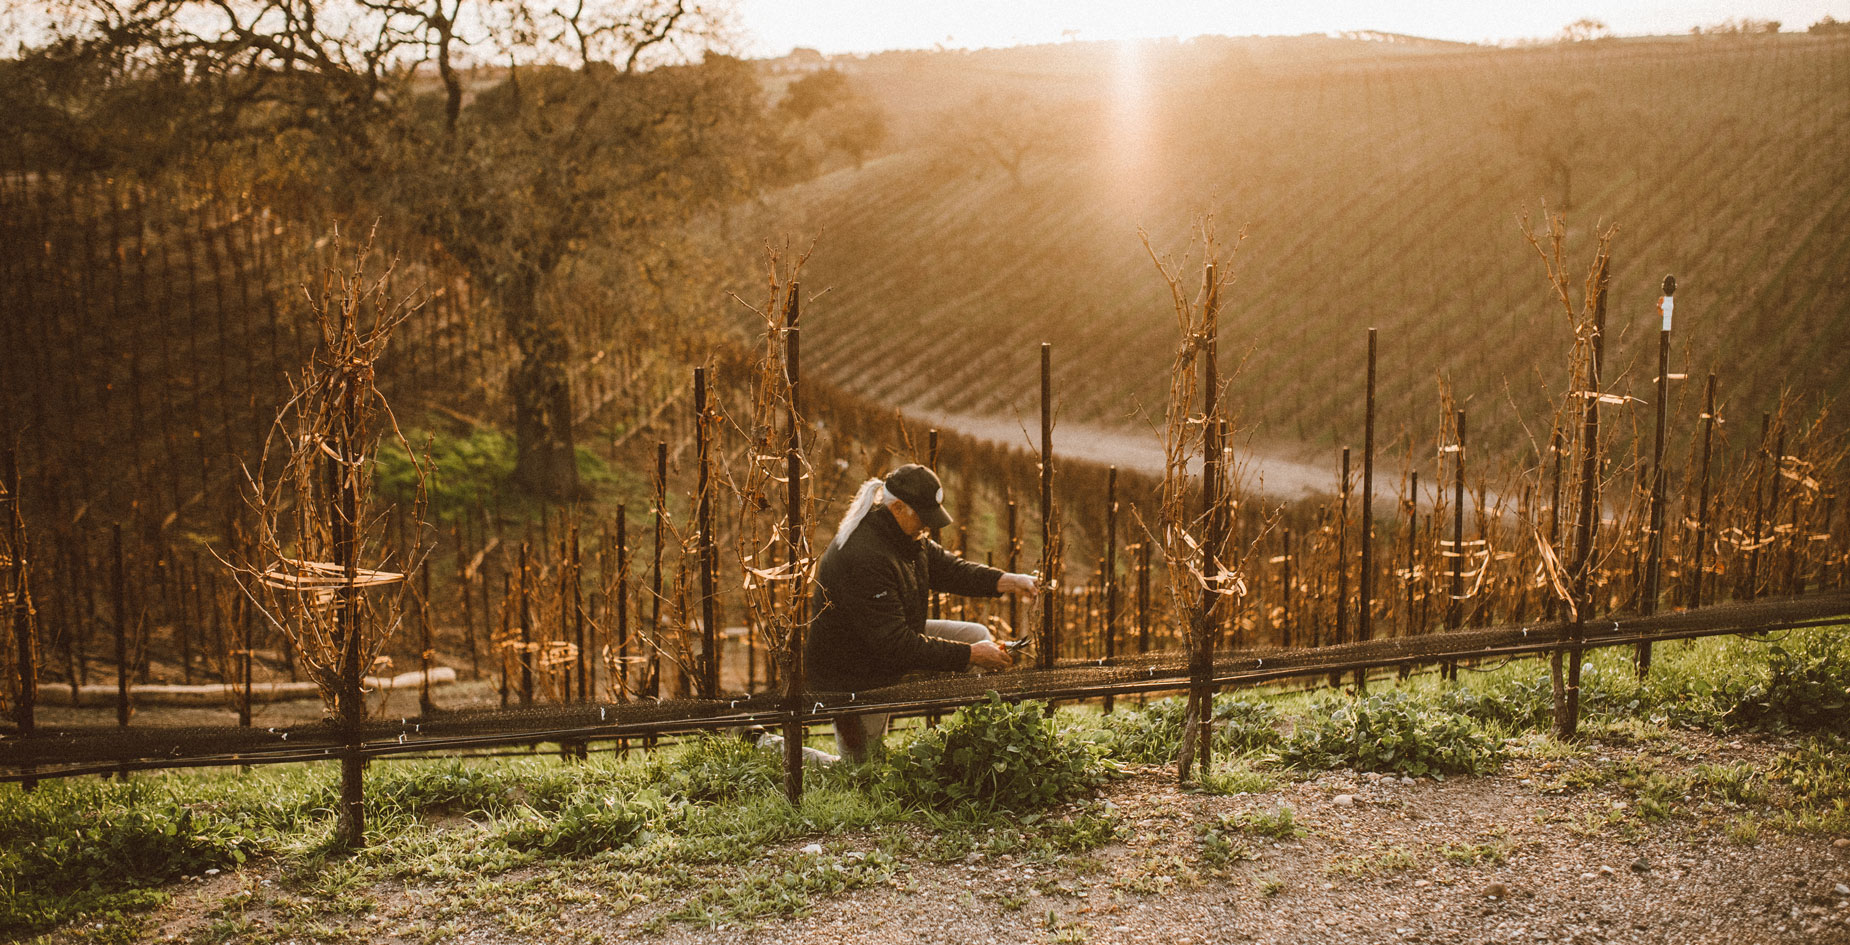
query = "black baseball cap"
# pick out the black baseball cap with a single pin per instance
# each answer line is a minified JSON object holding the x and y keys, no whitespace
{"x":920,"y":489}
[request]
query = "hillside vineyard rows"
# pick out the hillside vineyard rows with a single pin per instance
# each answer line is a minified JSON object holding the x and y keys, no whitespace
{"x":1382,"y":192}
{"x":148,"y":336}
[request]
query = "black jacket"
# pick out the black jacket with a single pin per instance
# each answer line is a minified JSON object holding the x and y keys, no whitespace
{"x":870,"y":605}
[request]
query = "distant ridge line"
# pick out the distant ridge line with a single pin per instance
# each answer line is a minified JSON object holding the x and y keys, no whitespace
{"x":1402,"y":39}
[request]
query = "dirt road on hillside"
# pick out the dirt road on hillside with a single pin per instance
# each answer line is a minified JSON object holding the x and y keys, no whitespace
{"x":1265,"y":472}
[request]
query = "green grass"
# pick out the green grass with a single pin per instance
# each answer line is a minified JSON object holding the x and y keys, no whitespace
{"x":511,"y":838}
{"x":104,"y":851}
{"x":701,"y":832}
{"x":1279,"y":823}
{"x":1227,"y":838}
{"x":1493,"y":852}
{"x":1244,"y":775}
{"x":1380,"y":860}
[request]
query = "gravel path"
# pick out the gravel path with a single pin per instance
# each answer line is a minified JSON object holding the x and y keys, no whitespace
{"x":1494,"y":859}
{"x":1549,"y":850}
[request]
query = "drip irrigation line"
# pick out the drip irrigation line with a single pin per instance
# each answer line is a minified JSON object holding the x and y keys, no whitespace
{"x":1765,"y":637}
{"x":1491,"y":669}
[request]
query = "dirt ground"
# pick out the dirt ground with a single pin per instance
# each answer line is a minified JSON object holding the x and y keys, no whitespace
{"x":1548,"y":850}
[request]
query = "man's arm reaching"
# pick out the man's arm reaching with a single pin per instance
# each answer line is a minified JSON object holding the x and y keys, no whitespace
{"x":1021,"y":585}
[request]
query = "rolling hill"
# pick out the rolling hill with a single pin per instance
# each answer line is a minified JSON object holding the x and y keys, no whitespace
{"x":1377,"y":184}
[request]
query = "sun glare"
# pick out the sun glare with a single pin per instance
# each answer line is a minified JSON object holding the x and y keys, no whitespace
{"x":1128,"y":106}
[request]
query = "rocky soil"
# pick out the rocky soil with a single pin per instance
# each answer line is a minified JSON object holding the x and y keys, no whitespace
{"x":1553,"y":849}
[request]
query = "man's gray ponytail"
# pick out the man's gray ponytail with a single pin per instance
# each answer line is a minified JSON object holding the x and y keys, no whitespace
{"x":869,"y":495}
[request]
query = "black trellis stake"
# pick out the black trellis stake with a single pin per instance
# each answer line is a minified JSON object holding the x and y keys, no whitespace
{"x":622,"y":670}
{"x":1285,"y":580}
{"x":1111,"y":569}
{"x":935,"y":600}
{"x":1455,"y":607}
{"x":1365,"y":615}
{"x":1144,"y":566}
{"x":1408,"y":627}
{"x":119,"y":591}
{"x":426,"y":648}
{"x":526,"y":630}
{"x":1654,"y":548}
{"x":1050,"y":640}
{"x":1557,"y":449}
{"x":505,"y":647}
{"x":1775,"y":480}
{"x":1014,"y":565}
{"x":1342,"y":553}
{"x":25,"y":641}
{"x":710,"y":664}
{"x":652,"y":686}
{"x":931,"y":462}
{"x":586,"y":645}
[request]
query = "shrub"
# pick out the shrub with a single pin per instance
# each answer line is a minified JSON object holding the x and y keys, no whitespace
{"x":1525,"y":702}
{"x":1152,"y":734}
{"x":1222,"y":840}
{"x":1246,"y":725}
{"x":1517,"y":704}
{"x":118,"y":845}
{"x":1392,"y":731}
{"x":1005,"y":755}
{"x":1806,"y":688}
{"x":1220,"y":843}
{"x":1145,"y":736}
{"x":1237,"y":777}
{"x":466,"y":470}
{"x":1279,"y":823}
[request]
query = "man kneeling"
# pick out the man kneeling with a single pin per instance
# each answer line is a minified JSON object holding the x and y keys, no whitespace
{"x":872,"y":594}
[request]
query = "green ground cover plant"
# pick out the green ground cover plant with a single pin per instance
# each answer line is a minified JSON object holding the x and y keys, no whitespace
{"x":467,"y":470}
{"x":1392,"y":731}
{"x":1796,"y":681}
{"x":473,"y":470}
{"x":1239,"y":776}
{"x":1151,"y":735}
{"x":1008,"y":756}
{"x":514,"y":837}
{"x":72,"y":848}
{"x":1804,"y":687}
{"x":1814,"y":779}
{"x":1227,"y":838}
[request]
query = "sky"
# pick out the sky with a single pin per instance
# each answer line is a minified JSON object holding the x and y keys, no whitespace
{"x":846,"y":26}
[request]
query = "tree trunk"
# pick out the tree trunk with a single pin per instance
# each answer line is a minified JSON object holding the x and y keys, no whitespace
{"x":545,"y":455}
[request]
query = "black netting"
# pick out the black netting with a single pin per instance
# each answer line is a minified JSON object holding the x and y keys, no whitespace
{"x":70,"y":749}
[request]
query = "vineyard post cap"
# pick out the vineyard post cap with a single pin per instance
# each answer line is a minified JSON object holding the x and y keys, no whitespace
{"x":1666,"y":303}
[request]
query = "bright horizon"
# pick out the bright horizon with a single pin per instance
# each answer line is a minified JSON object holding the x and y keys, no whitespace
{"x":773,"y":27}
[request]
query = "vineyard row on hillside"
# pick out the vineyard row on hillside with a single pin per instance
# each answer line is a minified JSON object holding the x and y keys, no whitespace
{"x":585,"y":604}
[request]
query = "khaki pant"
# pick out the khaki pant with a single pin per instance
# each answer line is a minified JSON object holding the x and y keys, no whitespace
{"x":858,"y":735}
